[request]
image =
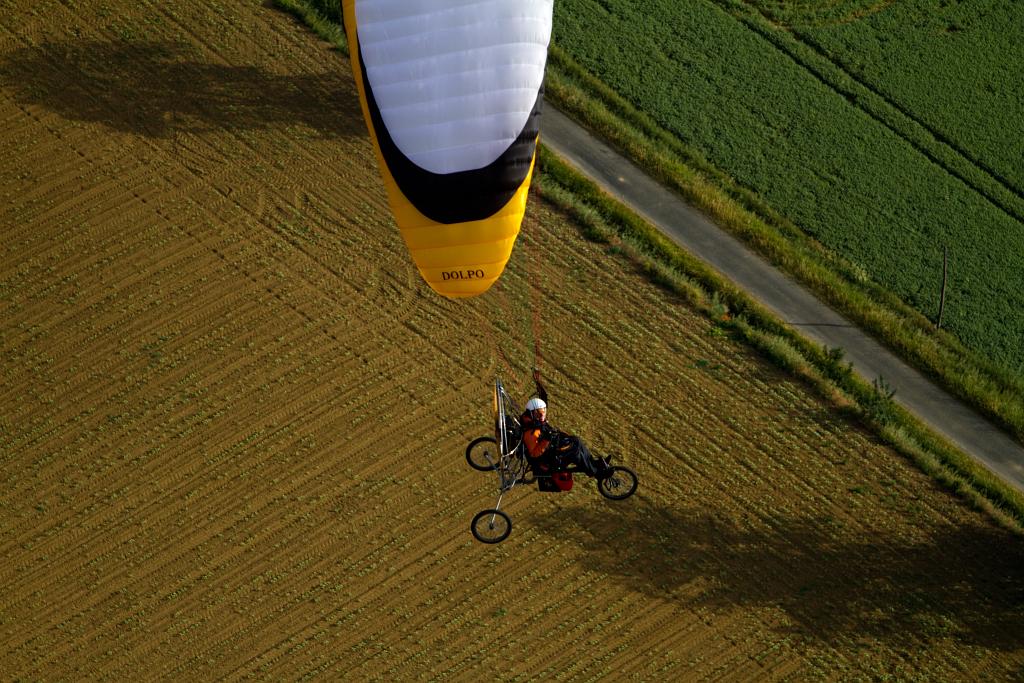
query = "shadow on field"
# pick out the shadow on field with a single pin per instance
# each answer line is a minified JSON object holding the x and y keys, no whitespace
{"x":965,"y":583}
{"x":161,"y":88}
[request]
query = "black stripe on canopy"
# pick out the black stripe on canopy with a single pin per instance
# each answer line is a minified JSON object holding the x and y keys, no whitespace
{"x":465,"y":195}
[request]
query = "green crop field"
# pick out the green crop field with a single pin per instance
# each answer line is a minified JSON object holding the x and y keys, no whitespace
{"x":884,"y":130}
{"x":966,"y":92}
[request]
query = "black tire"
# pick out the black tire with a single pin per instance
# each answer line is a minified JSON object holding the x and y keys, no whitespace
{"x":482,"y":454}
{"x":491,"y":526}
{"x":620,"y":483}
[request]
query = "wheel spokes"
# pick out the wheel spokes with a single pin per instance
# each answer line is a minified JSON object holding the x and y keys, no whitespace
{"x":491,"y":526}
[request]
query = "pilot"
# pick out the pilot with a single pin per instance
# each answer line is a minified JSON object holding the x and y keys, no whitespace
{"x":551,"y":448}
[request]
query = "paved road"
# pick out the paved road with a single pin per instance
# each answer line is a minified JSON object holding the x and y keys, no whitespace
{"x":789,"y":300}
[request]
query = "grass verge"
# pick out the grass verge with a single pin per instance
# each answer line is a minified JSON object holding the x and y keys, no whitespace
{"x":605,"y":220}
{"x":323,"y":17}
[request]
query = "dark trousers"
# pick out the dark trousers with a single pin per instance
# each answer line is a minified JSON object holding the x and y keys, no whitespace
{"x":572,"y":451}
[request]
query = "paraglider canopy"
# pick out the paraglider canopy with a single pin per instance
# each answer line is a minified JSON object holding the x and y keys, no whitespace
{"x":451,"y":92}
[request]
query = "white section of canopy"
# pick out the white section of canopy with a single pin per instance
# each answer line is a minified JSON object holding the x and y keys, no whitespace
{"x":455,"y":80}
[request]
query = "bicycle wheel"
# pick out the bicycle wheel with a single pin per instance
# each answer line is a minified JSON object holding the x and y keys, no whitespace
{"x":620,"y":483}
{"x":491,"y":526}
{"x":482,"y":454}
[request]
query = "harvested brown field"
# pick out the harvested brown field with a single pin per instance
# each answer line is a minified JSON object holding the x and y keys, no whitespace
{"x":232,"y":418}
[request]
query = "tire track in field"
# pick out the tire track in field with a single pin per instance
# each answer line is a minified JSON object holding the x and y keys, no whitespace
{"x":297,"y":487}
{"x":129,"y":476}
{"x":41,"y":189}
{"x":287,"y":186}
{"x":200,"y":177}
{"x":383,"y":603}
{"x":369,"y":598}
{"x":123,"y":326}
{"x":931,"y":143}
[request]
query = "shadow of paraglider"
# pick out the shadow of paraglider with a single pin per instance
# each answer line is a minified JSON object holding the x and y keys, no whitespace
{"x":966,"y":583}
{"x":158,"y":89}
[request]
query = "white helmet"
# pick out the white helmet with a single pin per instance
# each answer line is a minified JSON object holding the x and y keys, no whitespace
{"x":535,"y":404}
